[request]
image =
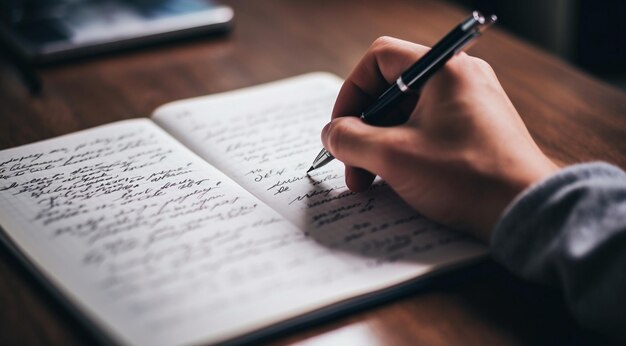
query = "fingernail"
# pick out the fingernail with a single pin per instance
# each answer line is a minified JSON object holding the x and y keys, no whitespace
{"x":325,"y":132}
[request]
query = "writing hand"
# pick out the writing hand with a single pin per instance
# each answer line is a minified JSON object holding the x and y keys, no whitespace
{"x":464,"y":152}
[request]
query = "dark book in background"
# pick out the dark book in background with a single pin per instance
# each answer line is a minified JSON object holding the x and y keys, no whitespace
{"x":40,"y":32}
{"x":56,"y":30}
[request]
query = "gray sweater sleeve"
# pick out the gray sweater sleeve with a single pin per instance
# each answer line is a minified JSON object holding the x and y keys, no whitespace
{"x":569,"y":231}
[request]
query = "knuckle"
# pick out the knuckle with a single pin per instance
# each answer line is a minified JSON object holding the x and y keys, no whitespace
{"x":382,"y":41}
{"x":482,"y":64}
{"x":458,"y":64}
{"x":382,"y":44}
{"x":462,"y":66}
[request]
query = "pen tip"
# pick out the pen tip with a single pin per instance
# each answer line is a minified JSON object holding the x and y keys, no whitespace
{"x":310,"y":169}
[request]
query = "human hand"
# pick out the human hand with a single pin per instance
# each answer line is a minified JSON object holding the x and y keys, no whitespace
{"x":464,"y":152}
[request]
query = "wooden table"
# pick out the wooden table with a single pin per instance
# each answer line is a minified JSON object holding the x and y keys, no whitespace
{"x":572,"y":116}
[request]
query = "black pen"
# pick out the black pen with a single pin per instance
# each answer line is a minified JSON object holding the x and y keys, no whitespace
{"x":416,"y":76}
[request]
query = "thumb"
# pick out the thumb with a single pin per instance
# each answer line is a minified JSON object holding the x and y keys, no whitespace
{"x":355,"y":143}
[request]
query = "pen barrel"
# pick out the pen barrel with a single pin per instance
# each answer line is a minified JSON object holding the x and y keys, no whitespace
{"x":417,"y":75}
{"x":376,"y":114}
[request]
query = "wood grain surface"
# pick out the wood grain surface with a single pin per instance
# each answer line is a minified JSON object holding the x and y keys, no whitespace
{"x":572,"y":116}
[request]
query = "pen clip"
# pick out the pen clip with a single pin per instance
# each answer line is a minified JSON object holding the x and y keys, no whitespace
{"x":477,"y":31}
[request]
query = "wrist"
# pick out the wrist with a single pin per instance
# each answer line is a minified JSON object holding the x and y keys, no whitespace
{"x":514,"y":182}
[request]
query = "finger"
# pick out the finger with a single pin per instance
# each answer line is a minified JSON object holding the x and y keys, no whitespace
{"x":355,"y":143}
{"x":381,"y":65}
{"x":385,"y":60}
{"x":358,"y":179}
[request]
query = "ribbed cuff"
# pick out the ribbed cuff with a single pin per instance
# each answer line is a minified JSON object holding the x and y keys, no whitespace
{"x":517,"y":227}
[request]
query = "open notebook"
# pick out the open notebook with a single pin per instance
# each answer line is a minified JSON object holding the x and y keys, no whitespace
{"x":200,"y":225}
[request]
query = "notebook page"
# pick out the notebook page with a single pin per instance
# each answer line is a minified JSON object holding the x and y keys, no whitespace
{"x":265,"y":138}
{"x":130,"y":224}
{"x":159,"y":248}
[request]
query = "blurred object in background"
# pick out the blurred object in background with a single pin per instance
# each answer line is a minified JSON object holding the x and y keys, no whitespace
{"x":41,"y":31}
{"x":588,"y":33}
